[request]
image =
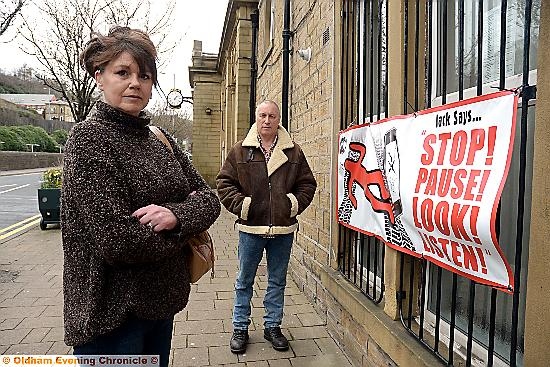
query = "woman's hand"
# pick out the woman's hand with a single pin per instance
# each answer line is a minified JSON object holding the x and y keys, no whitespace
{"x":157,"y":217}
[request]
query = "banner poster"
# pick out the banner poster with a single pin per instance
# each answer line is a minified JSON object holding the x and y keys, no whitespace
{"x":429,"y":184}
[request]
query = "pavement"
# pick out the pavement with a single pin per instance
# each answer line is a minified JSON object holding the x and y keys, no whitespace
{"x":31,"y":309}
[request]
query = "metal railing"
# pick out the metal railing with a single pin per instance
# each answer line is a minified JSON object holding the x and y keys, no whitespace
{"x":364,"y":98}
{"x":453,"y":49}
{"x":458,"y":320}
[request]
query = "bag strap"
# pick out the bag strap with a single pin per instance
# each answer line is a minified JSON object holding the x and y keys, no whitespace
{"x":160,"y":135}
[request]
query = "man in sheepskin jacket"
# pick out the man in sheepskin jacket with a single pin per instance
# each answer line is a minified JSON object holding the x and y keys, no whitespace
{"x":266,"y":181}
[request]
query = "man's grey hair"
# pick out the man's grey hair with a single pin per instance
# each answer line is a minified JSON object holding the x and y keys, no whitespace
{"x":268,"y":101}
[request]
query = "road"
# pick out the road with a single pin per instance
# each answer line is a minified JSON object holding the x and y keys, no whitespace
{"x":18,"y":197}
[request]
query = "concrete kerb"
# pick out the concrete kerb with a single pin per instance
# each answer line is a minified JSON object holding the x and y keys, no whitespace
{"x":24,"y":171}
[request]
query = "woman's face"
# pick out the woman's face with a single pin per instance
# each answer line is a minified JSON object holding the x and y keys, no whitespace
{"x":124,"y":86}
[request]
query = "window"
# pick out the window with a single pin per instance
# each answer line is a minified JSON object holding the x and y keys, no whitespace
{"x":267,"y":11}
{"x":491,"y":56}
{"x":363,"y":97}
{"x":492,"y":10}
{"x":372,"y":61}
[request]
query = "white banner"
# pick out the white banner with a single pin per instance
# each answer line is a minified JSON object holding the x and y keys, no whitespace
{"x":429,"y":184}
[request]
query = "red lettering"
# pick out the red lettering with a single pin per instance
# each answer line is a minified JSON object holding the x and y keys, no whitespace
{"x":438,"y":251}
{"x":422,"y":177}
{"x":455,"y":252}
{"x":476,"y":144}
{"x":458,"y":214}
{"x":429,"y":156}
{"x":491,"y":144}
{"x":415,"y":216}
{"x":426,"y":214}
{"x":443,"y":137}
{"x":458,"y":149}
{"x":444,"y":243}
{"x":432,"y":182}
{"x":471,"y":184}
{"x":456,"y":192}
{"x":484,"y":179}
{"x":441,"y":217}
{"x":426,"y":242}
{"x":474,"y":212}
{"x":481,"y":260}
{"x":469,"y":256}
{"x":445,"y":182}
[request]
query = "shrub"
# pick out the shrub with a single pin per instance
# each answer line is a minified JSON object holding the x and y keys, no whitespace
{"x":15,"y":138}
{"x":60,"y":136}
{"x":12,"y":141}
{"x":47,"y":143}
{"x":35,"y":135}
{"x":51,"y":179}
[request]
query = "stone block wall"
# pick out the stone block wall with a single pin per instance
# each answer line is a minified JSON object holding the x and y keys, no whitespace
{"x":27,"y":160}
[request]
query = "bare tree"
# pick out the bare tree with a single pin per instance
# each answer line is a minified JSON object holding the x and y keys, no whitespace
{"x":8,"y":12}
{"x":177,"y":122}
{"x":66,"y":26}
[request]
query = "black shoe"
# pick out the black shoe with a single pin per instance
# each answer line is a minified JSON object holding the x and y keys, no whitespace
{"x":276,"y":337}
{"x":239,"y":340}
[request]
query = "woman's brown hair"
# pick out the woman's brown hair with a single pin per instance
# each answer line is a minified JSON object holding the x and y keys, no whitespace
{"x":100,"y":50}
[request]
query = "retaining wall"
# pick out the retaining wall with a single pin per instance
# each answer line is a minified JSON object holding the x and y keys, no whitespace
{"x":26,"y":160}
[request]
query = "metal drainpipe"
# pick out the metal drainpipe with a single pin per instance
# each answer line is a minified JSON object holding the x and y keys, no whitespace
{"x":287,"y":33}
{"x":253,"y":67}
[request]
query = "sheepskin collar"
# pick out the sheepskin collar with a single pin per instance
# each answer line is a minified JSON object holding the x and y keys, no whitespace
{"x":108,"y":113}
{"x":278,"y":157}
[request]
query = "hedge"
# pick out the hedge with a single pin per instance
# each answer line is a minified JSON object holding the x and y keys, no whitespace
{"x":60,"y":136}
{"x":15,"y":138}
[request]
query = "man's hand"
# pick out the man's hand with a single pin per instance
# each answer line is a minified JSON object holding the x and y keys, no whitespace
{"x":157,"y":217}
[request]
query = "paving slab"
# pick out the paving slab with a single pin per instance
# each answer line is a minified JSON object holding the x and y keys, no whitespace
{"x":31,"y":309}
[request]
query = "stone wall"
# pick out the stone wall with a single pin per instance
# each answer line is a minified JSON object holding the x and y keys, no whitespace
{"x":9,"y":117}
{"x":363,"y":330}
{"x":26,"y":160}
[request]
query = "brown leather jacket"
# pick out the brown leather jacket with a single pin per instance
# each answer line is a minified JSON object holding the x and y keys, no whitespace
{"x":266,"y":197}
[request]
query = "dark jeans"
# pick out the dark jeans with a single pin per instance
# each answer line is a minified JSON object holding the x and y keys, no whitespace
{"x":136,"y":336}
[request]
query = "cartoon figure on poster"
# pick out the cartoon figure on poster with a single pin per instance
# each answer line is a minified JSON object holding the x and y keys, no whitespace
{"x":371,"y":180}
{"x":429,"y":184}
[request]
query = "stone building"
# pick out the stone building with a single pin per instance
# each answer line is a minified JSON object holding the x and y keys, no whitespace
{"x":361,"y":62}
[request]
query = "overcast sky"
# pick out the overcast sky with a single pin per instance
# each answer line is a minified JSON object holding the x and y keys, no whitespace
{"x":194,"y":20}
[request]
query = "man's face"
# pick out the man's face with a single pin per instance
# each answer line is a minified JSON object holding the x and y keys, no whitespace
{"x":267,"y":120}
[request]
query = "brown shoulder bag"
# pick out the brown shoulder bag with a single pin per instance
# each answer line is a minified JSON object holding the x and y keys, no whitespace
{"x":201,"y":256}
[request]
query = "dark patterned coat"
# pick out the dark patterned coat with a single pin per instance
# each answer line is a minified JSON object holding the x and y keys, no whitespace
{"x":113,"y":265}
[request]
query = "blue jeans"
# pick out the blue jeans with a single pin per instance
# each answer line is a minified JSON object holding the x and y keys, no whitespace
{"x":134,"y":337}
{"x":251,"y":249}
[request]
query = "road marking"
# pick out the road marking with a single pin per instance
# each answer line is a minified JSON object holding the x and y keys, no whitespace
{"x":20,"y":223}
{"x":17,"y":230}
{"x":8,"y":185}
{"x":14,"y":188}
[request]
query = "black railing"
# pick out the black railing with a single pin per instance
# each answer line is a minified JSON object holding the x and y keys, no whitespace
{"x":364,"y":98}
{"x":459,"y":320}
